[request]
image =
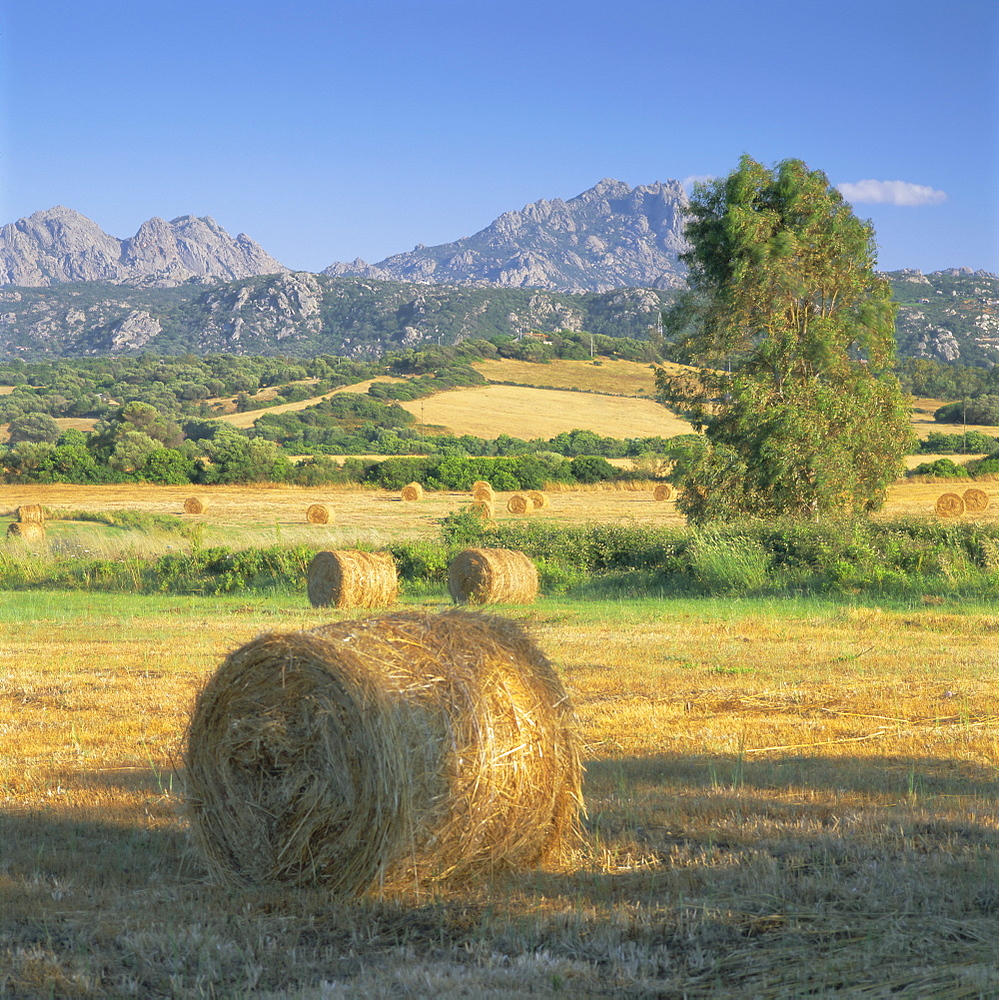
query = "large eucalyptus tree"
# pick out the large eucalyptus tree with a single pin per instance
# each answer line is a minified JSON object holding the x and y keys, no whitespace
{"x":793,"y":333}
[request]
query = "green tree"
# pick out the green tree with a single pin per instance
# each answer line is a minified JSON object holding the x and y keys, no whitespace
{"x":794,"y":334}
{"x":34,"y":427}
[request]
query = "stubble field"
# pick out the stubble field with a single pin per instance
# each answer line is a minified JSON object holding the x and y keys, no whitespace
{"x":784,"y":798}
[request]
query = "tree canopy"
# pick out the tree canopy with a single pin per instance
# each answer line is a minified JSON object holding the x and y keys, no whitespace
{"x":793,"y":333}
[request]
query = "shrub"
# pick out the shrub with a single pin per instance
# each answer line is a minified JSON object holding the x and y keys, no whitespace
{"x":942,"y":468}
{"x":591,"y":469}
{"x":978,"y":410}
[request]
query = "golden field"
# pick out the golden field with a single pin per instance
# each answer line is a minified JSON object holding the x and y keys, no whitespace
{"x":782,"y":801}
{"x":265,"y":514}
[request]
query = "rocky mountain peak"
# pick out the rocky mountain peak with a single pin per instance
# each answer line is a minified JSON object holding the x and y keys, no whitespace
{"x":609,"y":236}
{"x":59,"y":245}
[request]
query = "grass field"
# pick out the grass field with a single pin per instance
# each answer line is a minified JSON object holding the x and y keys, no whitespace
{"x":787,"y":799}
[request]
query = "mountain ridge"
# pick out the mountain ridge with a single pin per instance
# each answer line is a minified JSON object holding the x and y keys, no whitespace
{"x":609,"y":236}
{"x":59,"y":245}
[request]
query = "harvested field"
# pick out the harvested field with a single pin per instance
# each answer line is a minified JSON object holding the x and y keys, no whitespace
{"x":523,"y":412}
{"x":783,"y":802}
{"x":243,"y":516}
{"x":617,"y":378}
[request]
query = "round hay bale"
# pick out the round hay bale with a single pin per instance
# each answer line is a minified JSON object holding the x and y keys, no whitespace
{"x":481,"y":490}
{"x":318,"y":513}
{"x":538,"y":499}
{"x":484,"y":508}
{"x":412,"y":491}
{"x":518,"y":504}
{"x":662,"y":491}
{"x":975,"y":500}
{"x":28,"y":531}
{"x":192,"y":505}
{"x":492,"y":576}
{"x":31,"y":513}
{"x":949,"y":505}
{"x":382,"y":752}
{"x":351,"y":579}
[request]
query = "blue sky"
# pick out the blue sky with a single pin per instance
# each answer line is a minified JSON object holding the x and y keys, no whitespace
{"x":332,"y":130}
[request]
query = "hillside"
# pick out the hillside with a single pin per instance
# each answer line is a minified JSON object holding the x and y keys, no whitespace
{"x":300,"y":315}
{"x":950,"y":315}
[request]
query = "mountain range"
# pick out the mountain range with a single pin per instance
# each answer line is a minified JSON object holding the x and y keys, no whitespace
{"x":611,"y":236}
{"x":605,"y":262}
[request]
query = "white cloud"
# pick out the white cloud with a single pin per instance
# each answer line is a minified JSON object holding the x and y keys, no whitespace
{"x":689,"y":182}
{"x":891,"y":193}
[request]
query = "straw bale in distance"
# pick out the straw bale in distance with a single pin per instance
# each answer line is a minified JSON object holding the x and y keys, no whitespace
{"x":481,"y":490}
{"x":949,"y":505}
{"x":32,"y":512}
{"x":662,"y":491}
{"x":318,"y":513}
{"x":382,"y":752}
{"x":351,"y":579}
{"x":412,"y":491}
{"x":28,"y":531}
{"x":492,"y":576}
{"x":518,"y":504}
{"x":192,"y":505}
{"x":975,"y":500}
{"x":484,"y":508}
{"x":538,"y":499}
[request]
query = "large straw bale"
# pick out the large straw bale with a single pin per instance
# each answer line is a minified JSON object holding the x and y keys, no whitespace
{"x":383,"y":753}
{"x":32,"y":512}
{"x":192,"y":505}
{"x":518,"y":504}
{"x":28,"y":531}
{"x":662,"y":491}
{"x":975,"y":500}
{"x":539,"y":500}
{"x":318,"y":513}
{"x":949,"y":505}
{"x":412,"y":491}
{"x":492,"y":576}
{"x":352,"y":579}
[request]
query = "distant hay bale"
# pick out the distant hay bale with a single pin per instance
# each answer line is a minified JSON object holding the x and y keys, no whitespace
{"x":949,"y":505}
{"x":27,"y":531}
{"x":975,"y":501}
{"x":192,"y":505}
{"x":518,"y":504}
{"x":383,"y":752}
{"x":31,"y":513}
{"x":662,"y":491}
{"x":318,"y":513}
{"x":481,"y":490}
{"x":351,"y":579}
{"x":538,"y":499}
{"x":412,"y":491}
{"x":484,"y":508}
{"x":492,"y":576}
